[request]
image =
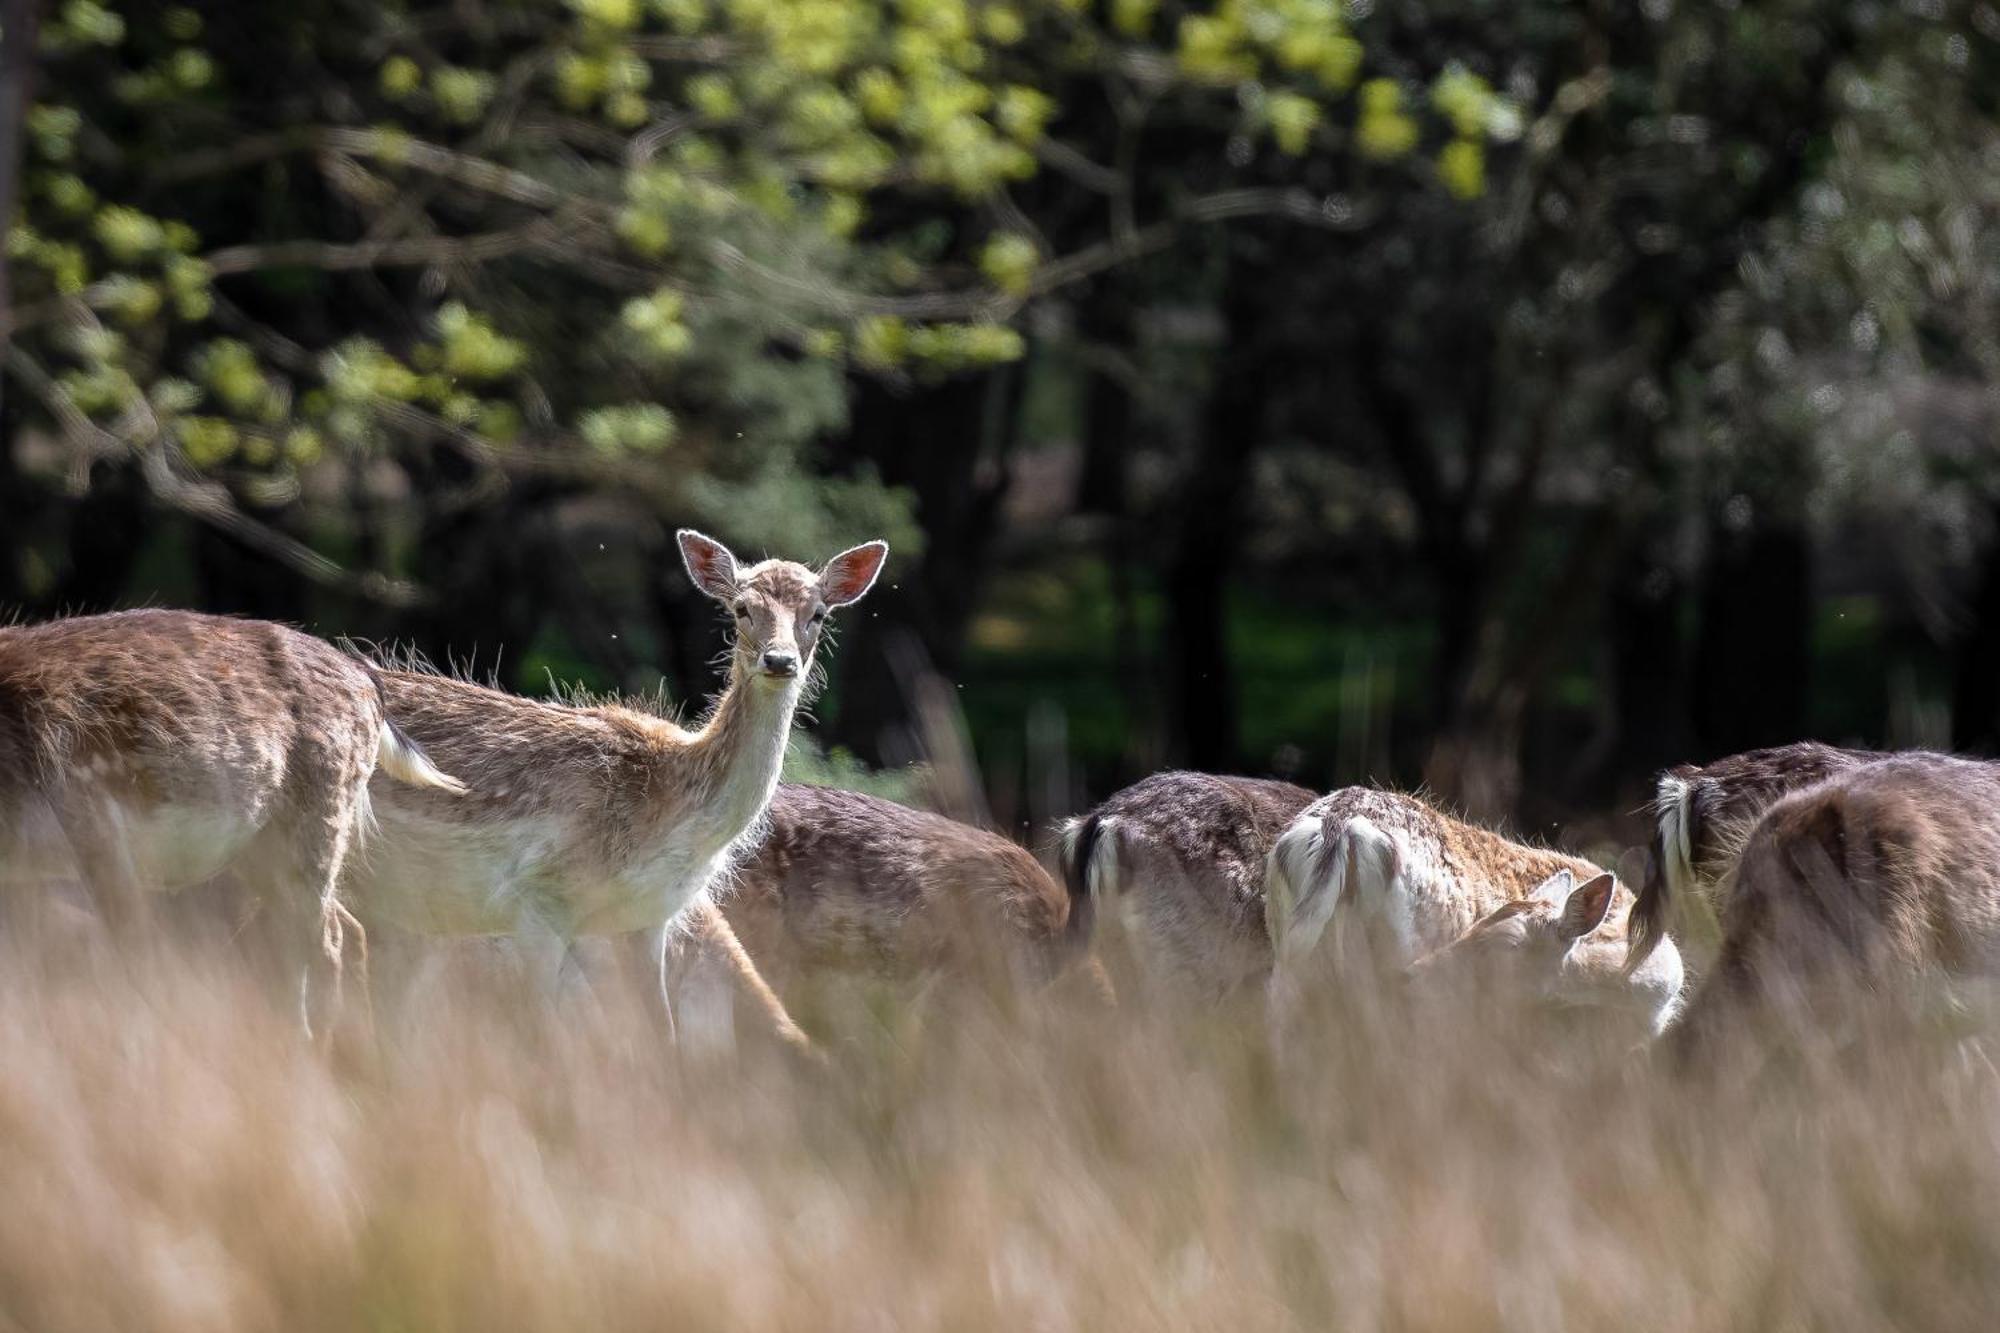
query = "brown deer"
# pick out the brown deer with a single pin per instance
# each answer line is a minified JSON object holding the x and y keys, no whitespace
{"x":1183,"y":854}
{"x":1878,"y":871}
{"x":1396,"y":880}
{"x":602,"y":820}
{"x":1564,"y":943}
{"x":1701,"y":816}
{"x":149,"y":750}
{"x":847,"y":881}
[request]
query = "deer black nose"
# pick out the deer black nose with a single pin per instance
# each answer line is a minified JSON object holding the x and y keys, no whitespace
{"x":781,"y":662}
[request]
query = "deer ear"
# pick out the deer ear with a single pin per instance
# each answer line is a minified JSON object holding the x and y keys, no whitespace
{"x":1553,"y":891}
{"x":852,"y":573}
{"x":1586,"y":908}
{"x":708,"y":563}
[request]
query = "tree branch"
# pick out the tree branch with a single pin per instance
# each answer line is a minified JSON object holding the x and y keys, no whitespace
{"x":207,"y":501}
{"x":404,"y":253}
{"x":1291,"y":205}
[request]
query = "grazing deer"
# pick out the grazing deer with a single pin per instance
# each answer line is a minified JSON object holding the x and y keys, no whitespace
{"x":602,"y":820}
{"x":1401,"y":881}
{"x":1566,"y":943}
{"x":1878,"y":871}
{"x":845,"y":881}
{"x":1184,"y":853}
{"x":149,"y":750}
{"x":1701,"y":817}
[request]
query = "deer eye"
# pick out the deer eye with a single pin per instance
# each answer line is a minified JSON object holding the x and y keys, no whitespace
{"x":817,"y":616}
{"x":742,"y":611}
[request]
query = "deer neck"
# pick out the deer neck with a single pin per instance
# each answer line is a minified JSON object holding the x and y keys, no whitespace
{"x":742,"y":747}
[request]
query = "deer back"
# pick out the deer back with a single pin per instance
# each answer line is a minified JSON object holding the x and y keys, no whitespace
{"x":184,"y":700}
{"x":1424,"y":876}
{"x":844,"y":878}
{"x":189,"y":733}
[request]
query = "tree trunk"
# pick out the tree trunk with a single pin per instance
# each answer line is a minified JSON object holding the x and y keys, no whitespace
{"x":1105,"y":322}
{"x":1476,"y":760}
{"x":237,"y":580}
{"x":486,"y":567}
{"x":107,"y":528}
{"x":1201,"y":682}
{"x":947,"y":444}
{"x":1648,"y":668}
{"x":1751,"y":654}
{"x":19,"y":20}
{"x":1975,"y":703}
{"x":1109,"y":426}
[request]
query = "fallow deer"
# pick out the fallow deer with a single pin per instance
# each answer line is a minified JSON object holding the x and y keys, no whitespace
{"x":1882,"y":869}
{"x":1184,"y":854}
{"x":849,"y":882}
{"x":1701,"y":816}
{"x":149,"y":750}
{"x":602,"y":820}
{"x":1563,"y":943}
{"x":1398,"y":880}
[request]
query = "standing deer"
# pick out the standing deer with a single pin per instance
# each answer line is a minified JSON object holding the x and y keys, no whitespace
{"x":1877,"y":871}
{"x":149,"y":750}
{"x":1701,"y":817}
{"x":1398,"y":880}
{"x":846,"y":881}
{"x":1184,"y":853}
{"x":602,"y":820}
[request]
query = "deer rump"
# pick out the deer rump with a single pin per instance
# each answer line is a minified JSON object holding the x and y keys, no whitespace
{"x":1181,"y":857}
{"x":1702,"y":816}
{"x":1881,"y":871}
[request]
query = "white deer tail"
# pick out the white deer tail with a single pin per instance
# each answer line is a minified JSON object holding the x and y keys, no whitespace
{"x":1290,"y":873}
{"x":404,"y":760}
{"x":1089,"y":860}
{"x":1307,"y":878}
{"x":1670,"y":876}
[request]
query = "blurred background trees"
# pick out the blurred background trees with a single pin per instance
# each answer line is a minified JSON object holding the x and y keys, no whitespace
{"x":1508,"y":397}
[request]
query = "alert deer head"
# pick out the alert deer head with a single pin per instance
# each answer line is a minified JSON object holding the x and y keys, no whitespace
{"x":778,"y":608}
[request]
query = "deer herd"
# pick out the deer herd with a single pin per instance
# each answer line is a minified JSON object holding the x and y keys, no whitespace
{"x":144,"y":751}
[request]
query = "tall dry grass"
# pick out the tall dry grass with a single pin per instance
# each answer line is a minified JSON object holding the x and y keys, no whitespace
{"x":172,"y":1156}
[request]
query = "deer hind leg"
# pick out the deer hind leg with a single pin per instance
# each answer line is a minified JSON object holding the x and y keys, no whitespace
{"x":319,"y":932}
{"x":712,"y":929}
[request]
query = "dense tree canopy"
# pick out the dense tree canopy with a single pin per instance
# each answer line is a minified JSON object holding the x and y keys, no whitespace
{"x":614,"y":241}
{"x":1561,"y":331}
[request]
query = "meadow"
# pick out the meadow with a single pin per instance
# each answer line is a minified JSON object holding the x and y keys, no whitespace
{"x":174,"y":1156}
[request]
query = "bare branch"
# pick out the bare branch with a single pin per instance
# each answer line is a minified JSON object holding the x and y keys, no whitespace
{"x":394,"y":149}
{"x":693,"y":50}
{"x":405,"y":253}
{"x":1298,"y":206}
{"x":473,"y":172}
{"x":208,"y":501}
{"x":1066,"y":161}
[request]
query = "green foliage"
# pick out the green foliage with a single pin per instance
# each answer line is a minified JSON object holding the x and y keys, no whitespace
{"x":599,"y":230}
{"x":1009,"y":261}
{"x":1385,"y":130}
{"x":638,"y":428}
{"x":473,"y":349}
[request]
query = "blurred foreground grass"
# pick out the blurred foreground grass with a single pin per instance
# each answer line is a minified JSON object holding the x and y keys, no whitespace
{"x":173,"y":1157}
